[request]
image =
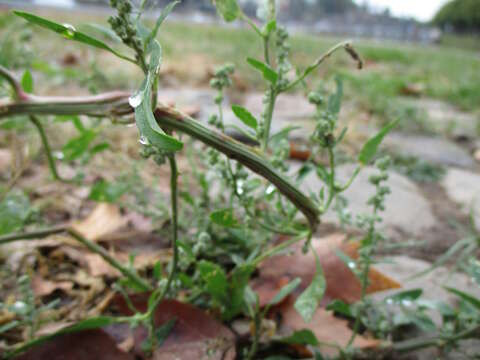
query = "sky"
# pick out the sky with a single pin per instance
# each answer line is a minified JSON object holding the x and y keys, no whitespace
{"x":422,"y":10}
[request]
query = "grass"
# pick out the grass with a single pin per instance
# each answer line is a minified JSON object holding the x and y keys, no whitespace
{"x":446,"y":73}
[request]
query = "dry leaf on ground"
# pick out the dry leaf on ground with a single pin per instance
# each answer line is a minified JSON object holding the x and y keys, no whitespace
{"x":104,"y":220}
{"x":43,"y":287}
{"x":194,"y":336}
{"x":91,"y":344}
{"x":342,"y":284}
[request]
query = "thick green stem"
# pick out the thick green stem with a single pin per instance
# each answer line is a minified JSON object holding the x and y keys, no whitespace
{"x":41,"y":234}
{"x":14,"y":83}
{"x":46,"y":146}
{"x":268,"y":117}
{"x":115,"y":104}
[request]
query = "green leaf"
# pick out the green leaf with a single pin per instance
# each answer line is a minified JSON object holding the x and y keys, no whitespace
{"x":371,"y":146}
{"x":68,"y":32}
{"x":268,"y":73}
{"x":245,"y":116}
{"x":307,"y":303}
{"x":408,"y":295}
{"x":228,"y":9}
{"x":104,"y":31}
{"x":161,"y":334}
{"x":239,"y":279}
{"x":468,"y":298}
{"x":27,"y":82}
{"x":15,"y":210}
{"x":78,"y":146}
{"x":301,"y":337}
{"x":340,"y":307}
{"x":104,"y":191}
{"x":224,"y":218}
{"x":142,"y":103}
{"x":216,"y":283}
{"x":163,"y":15}
{"x":285,"y":291}
{"x":335,"y":100}
{"x":269,"y":27}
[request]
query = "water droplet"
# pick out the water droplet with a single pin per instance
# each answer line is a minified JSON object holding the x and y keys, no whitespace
{"x":59,"y":155}
{"x":69,"y":32}
{"x":270,"y":189}
{"x":407,"y":303}
{"x":240,"y":187}
{"x":19,"y":306}
{"x":352,"y":265}
{"x":144,"y":141}
{"x":157,"y":69}
{"x":389,"y":302}
{"x":135,"y":100}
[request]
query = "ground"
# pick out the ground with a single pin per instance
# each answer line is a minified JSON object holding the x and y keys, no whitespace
{"x":434,"y":91}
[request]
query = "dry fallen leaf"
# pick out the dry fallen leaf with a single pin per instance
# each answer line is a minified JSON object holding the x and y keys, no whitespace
{"x":195,"y":334}
{"x":104,"y":220}
{"x":43,"y":287}
{"x":84,"y":345}
{"x":342,"y":284}
{"x":326,"y":327}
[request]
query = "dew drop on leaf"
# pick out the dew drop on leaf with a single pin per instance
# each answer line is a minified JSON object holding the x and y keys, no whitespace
{"x":143,"y":140}
{"x":70,"y":31}
{"x":135,"y":100}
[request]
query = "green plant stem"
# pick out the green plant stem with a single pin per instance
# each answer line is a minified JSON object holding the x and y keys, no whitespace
{"x":116,"y":104}
{"x":173,"y":270}
{"x":280,"y":247}
{"x":268,"y":118}
{"x":417,"y":344}
{"x":256,"y":336}
{"x":46,"y":146}
{"x":41,"y":234}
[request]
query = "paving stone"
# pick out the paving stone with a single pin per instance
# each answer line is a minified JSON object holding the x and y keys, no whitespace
{"x":463,"y":187}
{"x":435,"y":150}
{"x":407,"y":210}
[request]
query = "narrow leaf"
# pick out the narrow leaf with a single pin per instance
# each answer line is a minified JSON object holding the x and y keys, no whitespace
{"x":409,"y":295}
{"x":285,"y":291}
{"x":268,"y":73}
{"x":27,"y":82}
{"x":163,"y":15}
{"x":245,"y":116}
{"x":371,"y":146}
{"x":68,"y":32}
{"x":472,"y":300}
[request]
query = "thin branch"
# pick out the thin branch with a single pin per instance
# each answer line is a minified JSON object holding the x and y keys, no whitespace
{"x":42,"y":234}
{"x":46,"y":146}
{"x":346,"y":45}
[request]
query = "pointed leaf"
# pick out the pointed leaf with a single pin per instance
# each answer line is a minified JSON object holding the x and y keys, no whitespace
{"x":245,"y":116}
{"x":163,"y":15}
{"x":307,"y":303}
{"x":371,"y":146}
{"x":268,"y":73}
{"x":27,"y":82}
{"x":301,"y":337}
{"x":68,"y":32}
{"x":228,"y":9}
{"x":472,"y":300}
{"x":285,"y":291}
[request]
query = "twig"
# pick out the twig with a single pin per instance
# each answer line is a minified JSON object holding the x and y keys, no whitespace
{"x":41,"y":234}
{"x":346,"y":45}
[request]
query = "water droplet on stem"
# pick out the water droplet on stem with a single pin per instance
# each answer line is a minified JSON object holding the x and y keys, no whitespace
{"x":135,"y":100}
{"x":69,"y":32}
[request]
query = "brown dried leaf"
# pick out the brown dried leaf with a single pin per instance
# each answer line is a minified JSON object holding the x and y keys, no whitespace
{"x":104,"y":220}
{"x":341,"y":282}
{"x":85,"y":345}
{"x":43,"y":287}
{"x":195,"y":335}
{"x":326,"y":327}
